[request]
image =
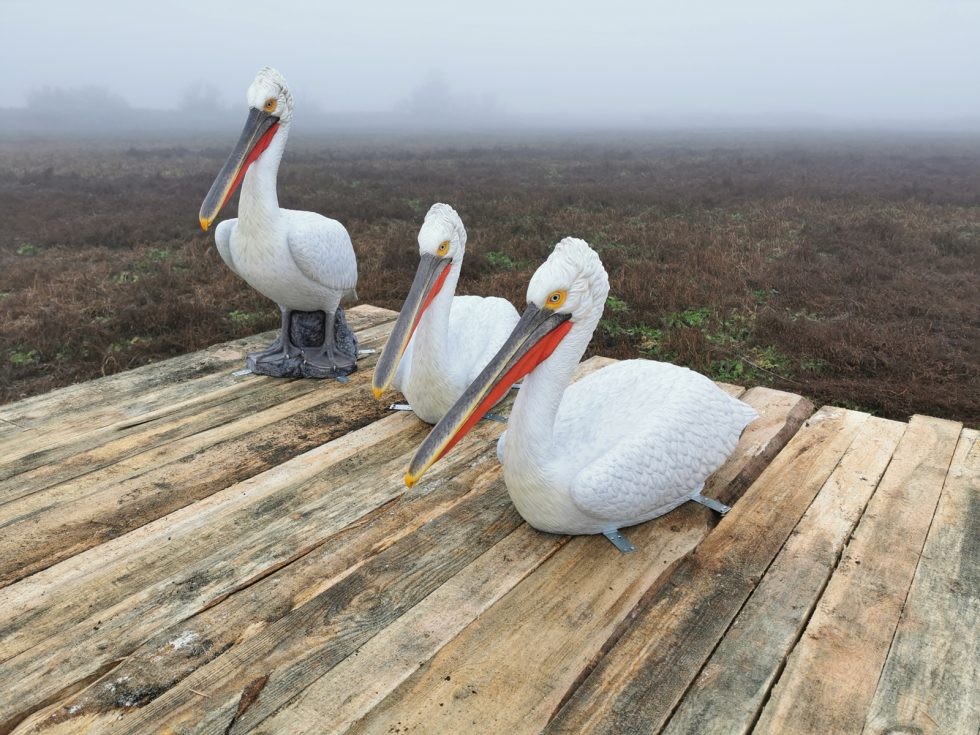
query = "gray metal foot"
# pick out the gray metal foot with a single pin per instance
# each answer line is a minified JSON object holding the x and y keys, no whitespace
{"x":716,"y":505}
{"x":619,"y":541}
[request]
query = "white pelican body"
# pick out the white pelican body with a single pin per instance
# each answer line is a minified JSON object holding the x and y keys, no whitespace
{"x":301,"y":260}
{"x":619,"y":447}
{"x":454,"y":336}
{"x":626,"y":444}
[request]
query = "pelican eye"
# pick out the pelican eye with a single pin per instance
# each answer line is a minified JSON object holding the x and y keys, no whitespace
{"x":443,"y":248}
{"x":270,"y":105}
{"x":555,"y":300}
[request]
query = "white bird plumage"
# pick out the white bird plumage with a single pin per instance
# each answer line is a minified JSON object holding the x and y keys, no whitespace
{"x":301,"y":260}
{"x":455,"y":336}
{"x":619,"y":447}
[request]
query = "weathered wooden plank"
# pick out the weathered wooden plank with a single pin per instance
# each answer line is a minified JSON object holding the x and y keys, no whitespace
{"x":250,"y":680}
{"x":71,"y":622}
{"x":257,"y":523}
{"x":731,"y":688}
{"x":7,"y":428}
{"x":52,"y":524}
{"x":114,"y":390}
{"x":351,"y":689}
{"x":831,"y":674}
{"x":931,"y":679}
{"x":182,"y":435}
{"x":639,"y":681}
{"x":160,"y":663}
{"x":110,"y":599}
{"x":564,"y":614}
{"x":46,"y":457}
{"x":508,"y":671}
{"x":45,"y":528}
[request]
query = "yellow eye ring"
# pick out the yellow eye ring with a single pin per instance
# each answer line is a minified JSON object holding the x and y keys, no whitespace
{"x":270,"y":105}
{"x":443,"y":247}
{"x":555,"y":300}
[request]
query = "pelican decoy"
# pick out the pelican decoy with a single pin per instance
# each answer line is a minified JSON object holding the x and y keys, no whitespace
{"x":626,"y":444}
{"x":441,"y":342}
{"x":301,"y":260}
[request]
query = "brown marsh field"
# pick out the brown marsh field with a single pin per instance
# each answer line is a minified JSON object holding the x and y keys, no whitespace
{"x":845,"y":268}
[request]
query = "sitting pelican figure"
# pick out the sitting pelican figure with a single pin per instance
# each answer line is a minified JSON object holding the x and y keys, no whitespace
{"x":626,"y":444}
{"x":441,"y":342}
{"x":301,"y":260}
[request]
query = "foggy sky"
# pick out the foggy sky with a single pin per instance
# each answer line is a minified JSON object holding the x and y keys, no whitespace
{"x":610,"y":62}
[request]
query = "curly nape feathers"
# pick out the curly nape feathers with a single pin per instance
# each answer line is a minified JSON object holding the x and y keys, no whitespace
{"x":575,"y":267}
{"x":441,"y":218}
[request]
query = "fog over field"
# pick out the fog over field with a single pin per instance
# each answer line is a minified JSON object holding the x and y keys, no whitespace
{"x":511,"y":63}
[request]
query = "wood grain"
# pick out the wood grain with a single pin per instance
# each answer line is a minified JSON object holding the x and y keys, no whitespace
{"x":731,"y":688}
{"x":51,"y":456}
{"x":301,"y":646}
{"x":120,"y":392}
{"x":639,"y":681}
{"x":931,"y":679}
{"x":44,"y":527}
{"x":833,"y":671}
{"x":111,"y":598}
{"x":557,"y":622}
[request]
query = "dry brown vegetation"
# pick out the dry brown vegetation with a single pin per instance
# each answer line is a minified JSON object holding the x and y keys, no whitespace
{"x":845,"y":269}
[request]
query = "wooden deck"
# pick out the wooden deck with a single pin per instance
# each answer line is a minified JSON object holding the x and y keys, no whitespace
{"x":187,"y":550}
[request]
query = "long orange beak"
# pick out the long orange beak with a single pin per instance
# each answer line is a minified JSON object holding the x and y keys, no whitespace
{"x":534,"y":338}
{"x":260,"y":129}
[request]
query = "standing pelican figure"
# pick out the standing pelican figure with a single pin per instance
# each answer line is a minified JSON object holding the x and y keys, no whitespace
{"x":441,"y":342}
{"x":301,"y":260}
{"x":619,"y":447}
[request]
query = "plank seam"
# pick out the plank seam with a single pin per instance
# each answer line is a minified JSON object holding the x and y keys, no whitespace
{"x":621,"y":629}
{"x":114,"y":432}
{"x":353,"y":725}
{"x":748,"y":598}
{"x":915,"y":572}
{"x":816,"y":599}
{"x":9,"y":725}
{"x":368,"y":517}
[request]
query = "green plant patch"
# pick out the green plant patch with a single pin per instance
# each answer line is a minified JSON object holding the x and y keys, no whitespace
{"x":731,"y":370}
{"x":500,"y":259}
{"x":243,"y":318}
{"x":688,"y":318}
{"x":769,"y":358}
{"x":23,"y":357}
{"x":616,"y":305}
{"x":27,"y":249}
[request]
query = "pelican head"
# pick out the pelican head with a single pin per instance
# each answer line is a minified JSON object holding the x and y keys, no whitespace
{"x":568,"y":292}
{"x":442,"y":243}
{"x":270,"y":106}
